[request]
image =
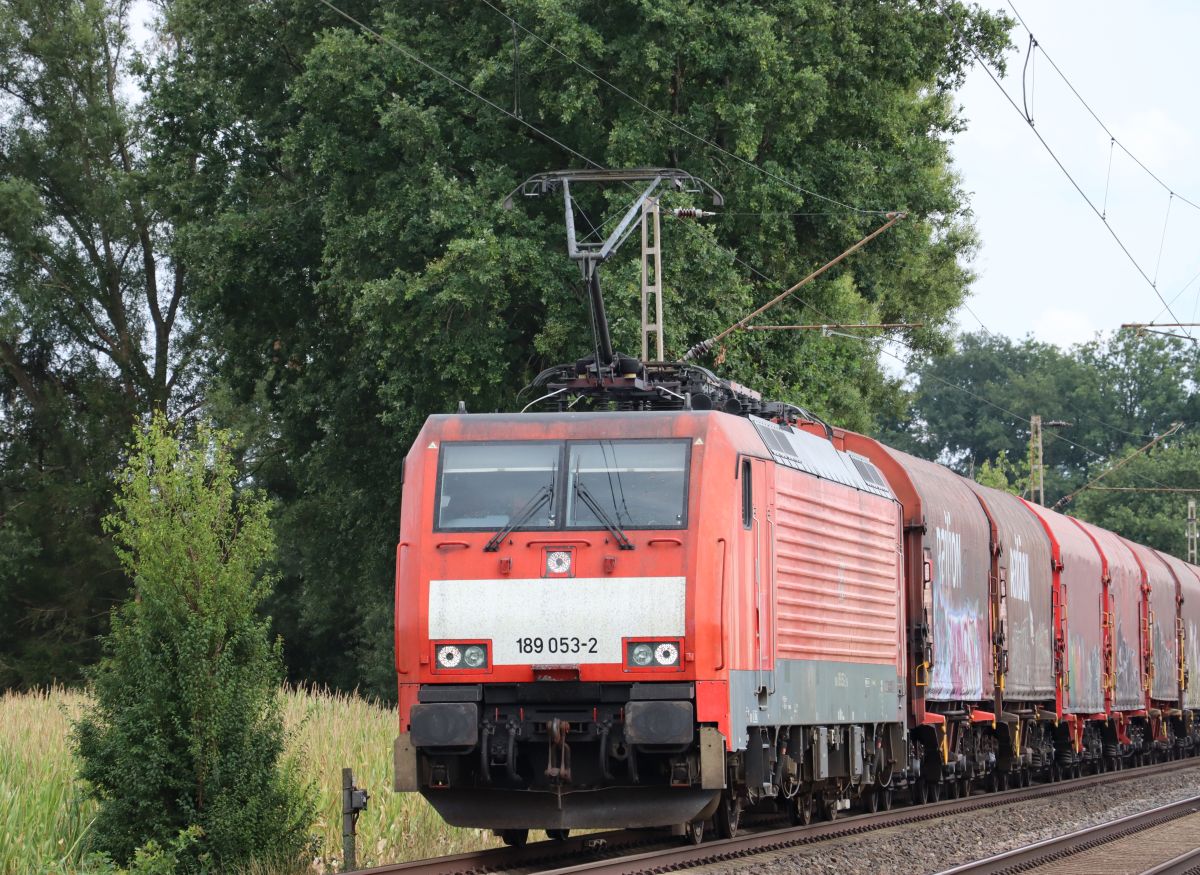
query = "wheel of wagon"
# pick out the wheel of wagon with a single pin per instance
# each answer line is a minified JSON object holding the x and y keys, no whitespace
{"x":886,"y":798}
{"x":800,"y":811}
{"x":920,"y":792}
{"x":693,"y":833}
{"x":728,"y":815}
{"x":935,"y":792}
{"x":557,"y":835}
{"x":830,"y":810}
{"x":966,"y":788}
{"x":872,"y":799}
{"x":1002,"y":781}
{"x":952,"y":789}
{"x":514,"y":838}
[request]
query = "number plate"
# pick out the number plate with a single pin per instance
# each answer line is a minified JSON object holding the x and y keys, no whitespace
{"x":572,"y":621}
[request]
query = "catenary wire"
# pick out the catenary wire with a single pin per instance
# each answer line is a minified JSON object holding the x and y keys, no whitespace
{"x":1162,"y":241}
{"x":869,"y":341}
{"x":1097,"y":119}
{"x":1177,"y":296}
{"x":1062,"y":167}
{"x":668,"y":120}
{"x":877,"y":345}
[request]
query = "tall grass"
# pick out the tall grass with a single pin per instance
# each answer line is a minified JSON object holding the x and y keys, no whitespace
{"x":45,"y":813}
{"x":332,"y":730}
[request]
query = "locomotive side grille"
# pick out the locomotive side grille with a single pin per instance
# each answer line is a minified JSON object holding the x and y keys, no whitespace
{"x":836,"y":575}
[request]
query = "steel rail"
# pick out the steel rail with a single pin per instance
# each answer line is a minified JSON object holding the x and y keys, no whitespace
{"x":1185,"y":864}
{"x":544,"y":857}
{"x":1061,"y":847}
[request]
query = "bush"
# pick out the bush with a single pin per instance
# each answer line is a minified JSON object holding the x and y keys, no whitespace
{"x":186,"y":729}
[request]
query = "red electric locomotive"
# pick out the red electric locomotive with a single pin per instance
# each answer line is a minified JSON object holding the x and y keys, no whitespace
{"x":660,"y":598}
{"x":608,"y":619}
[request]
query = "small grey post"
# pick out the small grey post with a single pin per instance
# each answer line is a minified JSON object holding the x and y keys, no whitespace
{"x":354,"y":801}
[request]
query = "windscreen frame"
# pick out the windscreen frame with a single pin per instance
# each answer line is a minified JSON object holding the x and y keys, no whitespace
{"x":493,"y":527}
{"x":686,"y":444}
{"x":561,"y":485}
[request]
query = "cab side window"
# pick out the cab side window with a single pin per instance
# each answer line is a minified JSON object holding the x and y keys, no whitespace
{"x":747,"y":495}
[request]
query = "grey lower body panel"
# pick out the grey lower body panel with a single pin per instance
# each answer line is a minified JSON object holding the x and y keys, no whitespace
{"x":805,"y":692}
{"x":609,"y":808}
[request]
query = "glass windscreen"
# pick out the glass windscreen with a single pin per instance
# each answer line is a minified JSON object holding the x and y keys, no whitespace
{"x":486,"y":486}
{"x":635,"y":484}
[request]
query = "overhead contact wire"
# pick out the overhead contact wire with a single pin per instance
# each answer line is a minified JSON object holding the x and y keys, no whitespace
{"x":1116,"y":237}
{"x":1162,"y":240}
{"x":1071,"y":410}
{"x":1097,"y":119}
{"x":877,"y":345}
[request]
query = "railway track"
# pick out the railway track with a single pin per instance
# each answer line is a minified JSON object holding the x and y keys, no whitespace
{"x":1162,"y":841}
{"x":635,"y":851}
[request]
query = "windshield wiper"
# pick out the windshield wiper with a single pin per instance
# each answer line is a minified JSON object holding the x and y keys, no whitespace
{"x":594,"y":506}
{"x":523,"y":516}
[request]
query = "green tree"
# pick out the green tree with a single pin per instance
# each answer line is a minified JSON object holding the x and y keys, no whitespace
{"x":186,"y":728}
{"x":1003,"y":474}
{"x":974,"y":402}
{"x":93,"y":327}
{"x":359,"y":273}
{"x":1137,"y":502}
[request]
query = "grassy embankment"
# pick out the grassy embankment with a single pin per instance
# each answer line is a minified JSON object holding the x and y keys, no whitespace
{"x":45,"y":815}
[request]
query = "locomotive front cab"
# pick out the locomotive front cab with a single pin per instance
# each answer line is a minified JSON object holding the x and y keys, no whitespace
{"x":545,"y":622}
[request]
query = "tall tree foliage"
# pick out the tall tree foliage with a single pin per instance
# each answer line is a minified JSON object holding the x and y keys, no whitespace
{"x":1115,"y":394}
{"x":1138,"y":500}
{"x":186,"y":728}
{"x":360,"y":272}
{"x":92,"y":324}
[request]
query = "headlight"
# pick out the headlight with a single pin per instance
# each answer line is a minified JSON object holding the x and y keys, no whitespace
{"x":654,"y":654}
{"x":461,"y":656}
{"x":475,"y":656}
{"x":641,"y":655}
{"x":666,"y":654}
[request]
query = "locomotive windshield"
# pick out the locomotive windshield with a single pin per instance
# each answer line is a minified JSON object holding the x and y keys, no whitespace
{"x":634,"y":484}
{"x":487,"y":486}
{"x":639,"y":484}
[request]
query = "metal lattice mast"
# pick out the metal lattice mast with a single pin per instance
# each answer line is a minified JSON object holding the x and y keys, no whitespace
{"x":1191,"y":531}
{"x":1037,"y":471}
{"x":651,"y":279}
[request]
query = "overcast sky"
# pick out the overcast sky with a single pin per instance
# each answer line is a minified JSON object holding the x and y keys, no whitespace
{"x":1047,"y":264}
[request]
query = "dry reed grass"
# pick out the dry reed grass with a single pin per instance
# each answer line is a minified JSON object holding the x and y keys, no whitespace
{"x":45,"y":814}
